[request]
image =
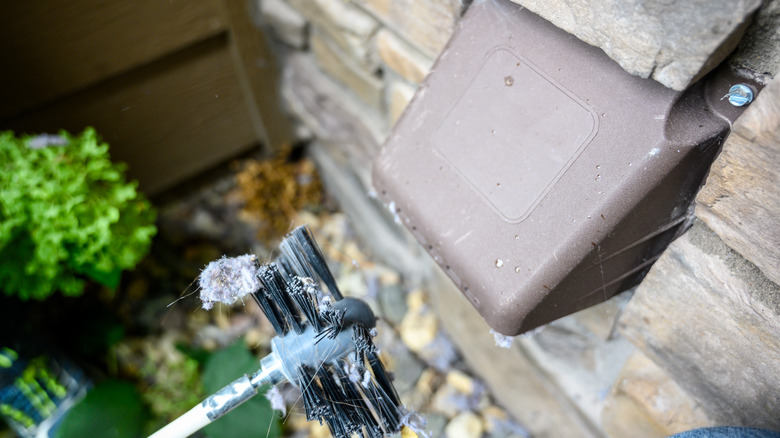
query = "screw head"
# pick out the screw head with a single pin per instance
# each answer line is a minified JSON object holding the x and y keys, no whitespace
{"x":740,"y":95}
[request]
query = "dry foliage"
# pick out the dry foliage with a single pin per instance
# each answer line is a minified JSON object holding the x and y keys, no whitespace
{"x":276,"y":189}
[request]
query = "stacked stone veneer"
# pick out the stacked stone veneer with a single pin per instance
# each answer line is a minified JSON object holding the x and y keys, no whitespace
{"x":698,"y":343}
{"x":351,"y":67}
{"x":349,"y":70}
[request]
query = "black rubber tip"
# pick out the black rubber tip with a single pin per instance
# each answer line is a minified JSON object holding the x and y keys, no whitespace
{"x":356,"y":310}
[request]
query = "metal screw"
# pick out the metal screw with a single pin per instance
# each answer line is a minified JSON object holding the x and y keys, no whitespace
{"x":740,"y":95}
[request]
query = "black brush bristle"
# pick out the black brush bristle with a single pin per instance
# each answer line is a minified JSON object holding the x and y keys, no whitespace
{"x":388,"y":411}
{"x":314,"y":401}
{"x":333,"y":322}
{"x":271,"y":312}
{"x":305,"y":294}
{"x":361,"y":336}
{"x":302,"y":256}
{"x":361,"y":412}
{"x":342,"y":416}
{"x":383,"y":378}
{"x":275,"y":285}
{"x":354,"y":395}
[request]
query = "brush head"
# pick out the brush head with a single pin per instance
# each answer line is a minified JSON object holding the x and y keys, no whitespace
{"x":324,"y":344}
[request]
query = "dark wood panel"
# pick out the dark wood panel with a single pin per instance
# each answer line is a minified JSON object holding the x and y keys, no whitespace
{"x":53,"y":47}
{"x":259,"y":73}
{"x":167,"y":120}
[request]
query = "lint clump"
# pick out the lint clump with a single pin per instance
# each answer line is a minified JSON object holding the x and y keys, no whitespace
{"x":274,"y":396}
{"x":502,"y":340}
{"x":228,"y":280}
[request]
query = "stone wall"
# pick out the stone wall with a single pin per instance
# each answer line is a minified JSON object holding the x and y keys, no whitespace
{"x":709,"y":311}
{"x":675,"y":43}
{"x":697,"y":343}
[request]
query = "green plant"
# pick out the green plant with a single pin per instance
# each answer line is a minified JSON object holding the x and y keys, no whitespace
{"x":66,"y":214}
{"x":253,"y":419}
{"x":113,"y":409}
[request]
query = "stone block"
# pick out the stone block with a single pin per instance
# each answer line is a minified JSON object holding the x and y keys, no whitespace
{"x":399,"y":96}
{"x":401,"y":57}
{"x":741,"y":198}
{"x":646,"y":403}
{"x":326,"y":108}
{"x":342,"y":68}
{"x":426,"y":25}
{"x":348,"y":26}
{"x":711,"y":320}
{"x":286,"y":24}
{"x":512,"y":375}
{"x":757,"y":53}
{"x":581,"y":354}
{"x":340,"y":14}
{"x":675,"y":43}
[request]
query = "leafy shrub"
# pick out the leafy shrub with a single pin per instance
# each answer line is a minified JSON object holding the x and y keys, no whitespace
{"x":66,"y":214}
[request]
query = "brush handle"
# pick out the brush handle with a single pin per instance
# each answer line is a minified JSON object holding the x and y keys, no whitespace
{"x":184,"y":426}
{"x":215,"y":406}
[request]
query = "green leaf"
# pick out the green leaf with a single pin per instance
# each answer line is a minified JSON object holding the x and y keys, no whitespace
{"x":81,"y":217}
{"x":255,"y":418}
{"x":112,"y":409}
{"x":110,"y":279}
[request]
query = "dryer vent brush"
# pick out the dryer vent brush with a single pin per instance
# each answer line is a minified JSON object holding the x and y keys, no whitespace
{"x":323,"y":345}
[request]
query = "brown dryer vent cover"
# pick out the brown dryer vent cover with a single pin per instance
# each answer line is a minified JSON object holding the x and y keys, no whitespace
{"x":541,"y":176}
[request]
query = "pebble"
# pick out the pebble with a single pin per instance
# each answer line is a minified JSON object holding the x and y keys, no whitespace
{"x":419,"y":326}
{"x":435,"y":424}
{"x":418,"y":330}
{"x":449,"y":401}
{"x":255,"y":337}
{"x":406,"y":370}
{"x":428,"y":382}
{"x":408,"y":433}
{"x":388,"y":276}
{"x":498,"y":424}
{"x":318,"y":431}
{"x":492,"y":415}
{"x":416,"y":300}
{"x":306,"y":218}
{"x":221,"y":320}
{"x":461,"y":381}
{"x":392,"y":301}
{"x":352,"y":284}
{"x":440,"y":353}
{"x":353,"y":253}
{"x":413,"y":400}
{"x":465,"y":425}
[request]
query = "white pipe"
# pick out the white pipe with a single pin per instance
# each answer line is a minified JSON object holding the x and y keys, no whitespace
{"x":184,"y":426}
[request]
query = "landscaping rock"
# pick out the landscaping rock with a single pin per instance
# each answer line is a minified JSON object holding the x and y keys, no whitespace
{"x":675,"y":43}
{"x":285,"y":22}
{"x":740,"y":201}
{"x":711,"y":320}
{"x":465,"y":425}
